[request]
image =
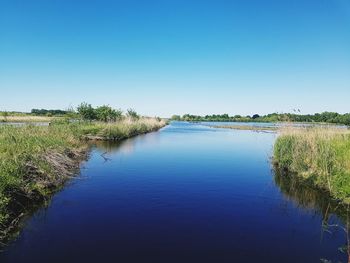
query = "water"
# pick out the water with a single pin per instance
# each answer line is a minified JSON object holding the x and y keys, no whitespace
{"x":188,"y":193}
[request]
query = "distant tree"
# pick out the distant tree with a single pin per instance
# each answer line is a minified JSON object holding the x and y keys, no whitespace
{"x":45,"y":112}
{"x":105,"y":113}
{"x":330,"y":117}
{"x":132,"y":114}
{"x":86,"y":111}
{"x":176,"y":117}
{"x":118,"y":114}
{"x":5,"y":114}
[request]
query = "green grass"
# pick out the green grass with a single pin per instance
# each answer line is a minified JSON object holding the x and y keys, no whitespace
{"x":320,"y":156}
{"x":36,"y":160}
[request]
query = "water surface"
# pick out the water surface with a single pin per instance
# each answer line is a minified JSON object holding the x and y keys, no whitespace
{"x":188,"y":193}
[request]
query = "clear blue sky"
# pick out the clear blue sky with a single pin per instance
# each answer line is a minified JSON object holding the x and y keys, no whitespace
{"x":175,"y":57}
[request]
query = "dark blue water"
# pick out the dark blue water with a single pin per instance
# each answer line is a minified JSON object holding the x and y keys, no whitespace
{"x":187,"y":193}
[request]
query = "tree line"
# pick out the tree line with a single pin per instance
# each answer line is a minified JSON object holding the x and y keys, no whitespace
{"x":86,"y":112}
{"x":44,"y":112}
{"x":327,"y":117}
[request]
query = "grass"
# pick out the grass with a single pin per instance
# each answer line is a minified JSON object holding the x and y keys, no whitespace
{"x":36,"y":160}
{"x":25,"y":118}
{"x":119,"y":130}
{"x":318,"y":155}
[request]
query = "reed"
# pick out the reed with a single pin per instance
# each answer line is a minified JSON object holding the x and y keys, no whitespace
{"x":318,"y":155}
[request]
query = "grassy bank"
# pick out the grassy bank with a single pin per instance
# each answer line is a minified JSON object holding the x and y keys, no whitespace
{"x":35,"y":160}
{"x":319,"y":156}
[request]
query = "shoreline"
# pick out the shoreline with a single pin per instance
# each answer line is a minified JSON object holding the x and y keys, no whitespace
{"x":245,"y":128}
{"x":51,"y":168}
{"x":22,"y":206}
{"x":317,"y":156}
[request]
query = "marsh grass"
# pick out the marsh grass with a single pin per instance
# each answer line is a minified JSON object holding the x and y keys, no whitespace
{"x":26,"y":118}
{"x":36,"y":160}
{"x":119,"y":130}
{"x":319,"y":155}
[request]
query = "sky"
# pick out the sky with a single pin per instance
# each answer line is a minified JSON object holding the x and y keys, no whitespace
{"x":170,"y":57}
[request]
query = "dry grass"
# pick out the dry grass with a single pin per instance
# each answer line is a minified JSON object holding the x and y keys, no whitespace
{"x":320,"y":155}
{"x":27,"y":118}
{"x":120,"y":130}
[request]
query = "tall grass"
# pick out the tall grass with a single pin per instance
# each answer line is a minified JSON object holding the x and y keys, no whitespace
{"x":36,"y":160}
{"x":319,"y":155}
{"x":119,"y":130}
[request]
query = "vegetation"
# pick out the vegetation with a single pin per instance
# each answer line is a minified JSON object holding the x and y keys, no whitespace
{"x":246,"y":127}
{"x":319,"y":156}
{"x":327,"y":117}
{"x":25,"y":118}
{"x":107,"y":114}
{"x":117,"y":130}
{"x":104,"y":113}
{"x":36,"y":160}
{"x":43,"y":112}
{"x":131,"y":113}
{"x":86,"y":112}
{"x":33,"y":160}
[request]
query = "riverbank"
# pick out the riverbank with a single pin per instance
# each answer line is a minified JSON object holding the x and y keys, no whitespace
{"x":319,"y":156}
{"x":246,"y":127}
{"x":35,"y":161}
{"x":324,"y":117}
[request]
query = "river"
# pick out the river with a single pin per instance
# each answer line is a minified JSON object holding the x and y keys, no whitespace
{"x":187,"y":193}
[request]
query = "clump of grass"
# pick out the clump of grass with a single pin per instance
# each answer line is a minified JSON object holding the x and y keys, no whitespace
{"x":319,"y":155}
{"x":36,"y":160}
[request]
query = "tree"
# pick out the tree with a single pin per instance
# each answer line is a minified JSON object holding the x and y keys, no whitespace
{"x":255,"y":116}
{"x":86,"y":111}
{"x":106,"y":113}
{"x":176,"y":118}
{"x":47,"y":112}
{"x":132,"y":114}
{"x":118,"y":114}
{"x":5,"y":114}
